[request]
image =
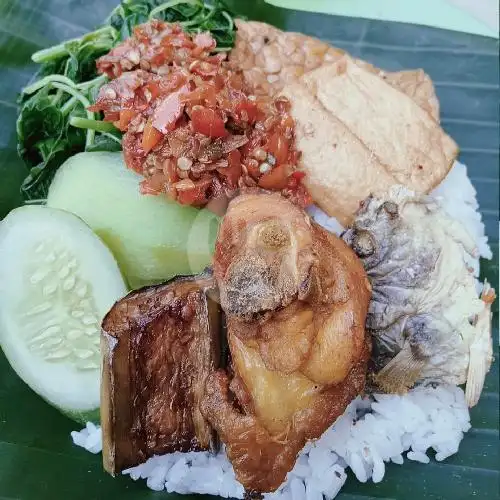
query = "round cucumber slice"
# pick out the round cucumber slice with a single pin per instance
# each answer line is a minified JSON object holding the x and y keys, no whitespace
{"x":57,"y":281}
{"x":151,"y":237}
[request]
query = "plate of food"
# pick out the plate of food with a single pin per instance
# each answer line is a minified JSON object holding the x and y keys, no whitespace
{"x":246,"y":252}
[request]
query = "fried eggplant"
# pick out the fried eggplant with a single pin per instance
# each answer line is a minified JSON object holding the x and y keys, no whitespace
{"x":159,"y":344}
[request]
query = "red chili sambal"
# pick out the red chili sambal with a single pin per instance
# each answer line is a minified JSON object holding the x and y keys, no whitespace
{"x":190,"y":126}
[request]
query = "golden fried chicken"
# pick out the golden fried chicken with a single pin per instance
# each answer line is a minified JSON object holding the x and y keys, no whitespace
{"x":295,"y":298}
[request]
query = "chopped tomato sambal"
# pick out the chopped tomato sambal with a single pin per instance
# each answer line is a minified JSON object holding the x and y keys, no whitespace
{"x":190,"y":126}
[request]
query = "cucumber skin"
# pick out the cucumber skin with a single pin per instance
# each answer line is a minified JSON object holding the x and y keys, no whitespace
{"x":93,"y":416}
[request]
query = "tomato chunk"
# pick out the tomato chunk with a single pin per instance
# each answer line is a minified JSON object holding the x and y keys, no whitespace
{"x":169,"y":111}
{"x":193,"y":193}
{"x":278,"y":147}
{"x":246,"y":110}
{"x":233,"y":171}
{"x":276,"y":179}
{"x":151,"y":137}
{"x":126,"y":117}
{"x":207,"y":121}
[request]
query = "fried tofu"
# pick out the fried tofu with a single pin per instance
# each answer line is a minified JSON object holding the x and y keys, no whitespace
{"x":411,"y":145}
{"x":341,"y":170}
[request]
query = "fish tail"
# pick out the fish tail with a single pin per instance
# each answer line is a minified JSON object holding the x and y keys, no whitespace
{"x":481,"y":350}
{"x":401,"y":373}
{"x":476,"y":373}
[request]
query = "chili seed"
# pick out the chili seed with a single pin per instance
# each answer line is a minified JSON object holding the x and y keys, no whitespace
{"x":260,"y":154}
{"x":271,"y":159}
{"x":134,"y":56}
{"x":184,"y":163}
{"x":264,"y":167}
{"x":110,"y":93}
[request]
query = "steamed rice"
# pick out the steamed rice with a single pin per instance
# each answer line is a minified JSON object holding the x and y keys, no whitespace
{"x":373,"y":430}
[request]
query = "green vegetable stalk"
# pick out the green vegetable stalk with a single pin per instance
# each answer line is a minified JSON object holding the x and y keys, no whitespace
{"x":54,"y":122}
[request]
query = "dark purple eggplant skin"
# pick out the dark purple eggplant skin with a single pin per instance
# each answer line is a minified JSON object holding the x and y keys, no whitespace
{"x":158,"y":344}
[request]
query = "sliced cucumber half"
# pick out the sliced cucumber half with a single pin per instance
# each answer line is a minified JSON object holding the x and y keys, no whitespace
{"x":57,"y":281}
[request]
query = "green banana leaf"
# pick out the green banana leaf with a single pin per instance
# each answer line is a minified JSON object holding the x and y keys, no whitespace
{"x":37,"y":458}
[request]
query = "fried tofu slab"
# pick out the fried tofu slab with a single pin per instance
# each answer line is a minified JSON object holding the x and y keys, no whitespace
{"x":410,"y":145}
{"x":359,"y":129}
{"x":360,"y":136}
{"x":159,"y":344}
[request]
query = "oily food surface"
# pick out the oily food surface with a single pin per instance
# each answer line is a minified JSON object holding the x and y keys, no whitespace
{"x":201,"y":128}
{"x":192,"y":127}
{"x":296,"y":336}
{"x":160,"y":343}
{"x":360,"y":136}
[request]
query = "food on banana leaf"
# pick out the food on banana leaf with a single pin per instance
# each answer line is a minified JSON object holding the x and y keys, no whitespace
{"x":427,"y":320}
{"x":200,"y":125}
{"x":159,"y":345}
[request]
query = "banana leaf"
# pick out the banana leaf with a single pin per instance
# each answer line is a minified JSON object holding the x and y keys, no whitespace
{"x":37,"y":458}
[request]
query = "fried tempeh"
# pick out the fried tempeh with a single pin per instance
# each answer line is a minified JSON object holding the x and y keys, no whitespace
{"x":271,"y":58}
{"x":159,"y":345}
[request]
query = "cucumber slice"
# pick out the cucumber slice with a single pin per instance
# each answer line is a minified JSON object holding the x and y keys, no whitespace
{"x":57,"y":281}
{"x":151,"y":237}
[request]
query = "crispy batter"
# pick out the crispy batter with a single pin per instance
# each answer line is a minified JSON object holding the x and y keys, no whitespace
{"x":298,"y":357}
{"x":271,"y":59}
{"x":159,"y":344}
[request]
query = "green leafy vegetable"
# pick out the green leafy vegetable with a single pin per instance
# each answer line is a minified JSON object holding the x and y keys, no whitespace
{"x":54,"y":123}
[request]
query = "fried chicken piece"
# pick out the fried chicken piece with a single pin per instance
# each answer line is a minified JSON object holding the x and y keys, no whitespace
{"x":159,"y":344}
{"x":295,"y":298}
{"x":271,"y":58}
{"x":260,"y":457}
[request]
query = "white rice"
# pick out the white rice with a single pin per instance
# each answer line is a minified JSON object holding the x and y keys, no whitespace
{"x":372,"y":432}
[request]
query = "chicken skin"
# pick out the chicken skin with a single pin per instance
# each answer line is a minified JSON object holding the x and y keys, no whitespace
{"x":295,"y":299}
